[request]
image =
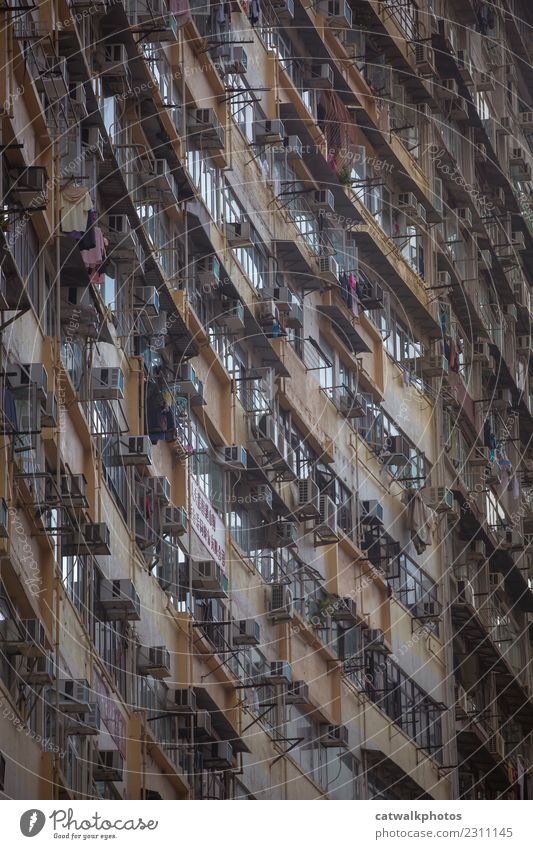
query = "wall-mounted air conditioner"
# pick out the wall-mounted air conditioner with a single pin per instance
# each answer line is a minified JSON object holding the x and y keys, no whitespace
{"x":49,"y":411}
{"x":174,"y":521}
{"x":184,"y":701}
{"x":308,"y":499}
{"x":329,"y":268}
{"x":112,"y":59}
{"x":161,"y":488}
{"x":397,"y":451}
{"x":204,"y":127}
{"x":135,"y":451}
{"x":94,"y":538}
{"x":298,"y":694}
{"x":73,"y":695}
{"x":29,"y":374}
{"x":440,"y":499}
{"x":322,"y":76}
{"x":208,"y":580}
{"x":146,"y":301}
{"x":233,"y":317}
{"x":338,"y":13}
{"x":246,"y":632}
{"x":425,"y":59}
{"x":236,"y":456}
{"x":118,"y":598}
{"x":344,"y":610}
{"x":154,"y":661}
{"x":270,"y":131}
{"x":107,"y":384}
{"x":372,"y":512}
{"x":218,"y":756}
{"x":333,"y":736}
{"x":280,"y":672}
{"x":374,"y":639}
{"x":88,"y":725}
{"x":238,"y":234}
{"x":281,"y":534}
{"x":108,"y":765}
{"x":326,"y":525}
{"x":280,"y":605}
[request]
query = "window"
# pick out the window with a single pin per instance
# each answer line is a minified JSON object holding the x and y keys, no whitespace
{"x":105,"y":425}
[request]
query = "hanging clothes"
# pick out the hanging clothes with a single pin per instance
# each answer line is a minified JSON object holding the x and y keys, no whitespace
{"x":76,"y":204}
{"x":489,"y":439}
{"x":345,"y":287}
{"x":353,"y":293}
{"x":181,"y":10}
{"x":87,"y":241}
{"x":420,"y":521}
{"x":9,"y":410}
{"x":454,"y":357}
{"x":332,"y":162}
{"x":255,"y":12}
{"x":94,"y":257}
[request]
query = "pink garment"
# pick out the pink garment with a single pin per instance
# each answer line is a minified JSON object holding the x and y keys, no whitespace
{"x":182,"y":10}
{"x":94,"y":256}
{"x":332,"y":162}
{"x":353,"y":287}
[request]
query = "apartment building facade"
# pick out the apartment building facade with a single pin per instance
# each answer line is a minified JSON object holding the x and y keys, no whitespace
{"x":266,"y":410}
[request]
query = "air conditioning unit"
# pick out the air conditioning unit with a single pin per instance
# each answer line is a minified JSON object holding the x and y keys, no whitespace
{"x":308,"y":499}
{"x":188,"y":382}
{"x":372,"y":512}
{"x":146,"y":301}
{"x":4,"y":519}
{"x":496,"y":745}
{"x":78,"y":101}
{"x":136,"y":451}
{"x":465,"y":594}
{"x":108,"y":766}
{"x":426,"y":610}
{"x":87,"y":726}
{"x":295,"y":315}
{"x":329,"y":268}
{"x":118,"y":598}
{"x":294,"y":147}
{"x":26,"y":637}
{"x":93,"y":537}
{"x":486,"y":258}
{"x":519,"y":165}
{"x":344,"y":610}
{"x":480,"y":152}
{"x":441,"y":499}
{"x":49,"y":411}
{"x":449,"y":89}
{"x":465,"y":216}
{"x":481,"y":353}
{"x":246,"y":632}
{"x":298,"y":694}
{"x":233,"y":317}
{"x":238,"y":60}
{"x":511,"y":311}
{"x":218,"y":756}
{"x":161,"y":488}
{"x":107,"y":384}
{"x":41,"y":670}
{"x":323,"y":199}
{"x":174,"y":521}
{"x":208,"y":579}
{"x":352,"y":406}
{"x":523,"y":344}
{"x":374,"y":639}
{"x":236,"y":456}
{"x":282,"y":534}
{"x":280,"y":673}
{"x":30,"y":374}
{"x":73,"y":490}
{"x":112,"y":60}
{"x":408,"y":203}
{"x":284,"y":9}
{"x":484,"y":81}
{"x":526,"y":121}
{"x":30,"y":187}
{"x":238,"y":234}
{"x":204,"y":126}
{"x":73,"y":695}
{"x":333,"y":736}
{"x":321,"y":77}
{"x":518,"y":241}
{"x":397,"y":451}
{"x":425,"y":59}
{"x":260,"y":496}
{"x":464,"y":63}
{"x":325,"y":528}
{"x":502,"y":399}
{"x":184,"y":701}
{"x":92,"y":142}
{"x":154,"y":661}
{"x":203,"y":726}
{"x":338,"y":13}
{"x":270,"y":131}
{"x":281,"y":605}
{"x":267,"y":312}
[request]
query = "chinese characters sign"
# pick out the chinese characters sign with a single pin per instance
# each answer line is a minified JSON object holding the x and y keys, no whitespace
{"x":208,"y":525}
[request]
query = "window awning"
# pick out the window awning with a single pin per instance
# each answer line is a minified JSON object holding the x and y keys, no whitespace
{"x":221,"y":723}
